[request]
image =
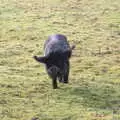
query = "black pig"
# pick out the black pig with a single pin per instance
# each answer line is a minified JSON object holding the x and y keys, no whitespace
{"x":57,"y":53}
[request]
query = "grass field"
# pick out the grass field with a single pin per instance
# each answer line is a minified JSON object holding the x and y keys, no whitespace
{"x":25,"y":89}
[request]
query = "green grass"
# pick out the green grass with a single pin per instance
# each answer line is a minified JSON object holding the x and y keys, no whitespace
{"x":25,"y":89}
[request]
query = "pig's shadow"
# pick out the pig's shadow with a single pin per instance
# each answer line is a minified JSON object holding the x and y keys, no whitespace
{"x":104,"y":97}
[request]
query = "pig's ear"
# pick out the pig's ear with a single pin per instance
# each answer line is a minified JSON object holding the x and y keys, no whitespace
{"x":69,"y":53}
{"x":73,"y":47}
{"x":41,"y":59}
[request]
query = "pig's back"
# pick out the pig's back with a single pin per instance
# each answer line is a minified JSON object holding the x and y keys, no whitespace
{"x":56,"y":44}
